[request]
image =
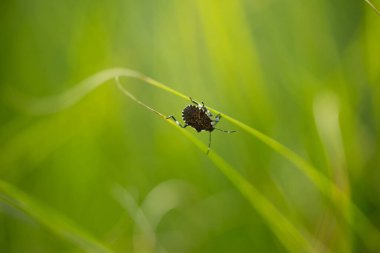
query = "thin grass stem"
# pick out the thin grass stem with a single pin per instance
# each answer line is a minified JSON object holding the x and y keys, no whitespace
{"x":292,"y":239}
{"x":359,"y":222}
{"x":373,"y":6}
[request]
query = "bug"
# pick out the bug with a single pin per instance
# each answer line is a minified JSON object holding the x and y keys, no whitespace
{"x":200,"y":118}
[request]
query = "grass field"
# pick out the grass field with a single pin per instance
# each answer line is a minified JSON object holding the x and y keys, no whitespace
{"x":89,"y":162}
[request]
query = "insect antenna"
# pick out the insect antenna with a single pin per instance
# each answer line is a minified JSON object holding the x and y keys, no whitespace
{"x":226,"y":131}
{"x":209,"y":143}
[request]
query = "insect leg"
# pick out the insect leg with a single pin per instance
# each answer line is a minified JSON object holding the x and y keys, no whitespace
{"x":226,"y":131}
{"x":176,"y":121}
{"x":193,"y":101}
{"x":209,"y":143}
{"x":200,"y":106}
{"x":217,"y":119}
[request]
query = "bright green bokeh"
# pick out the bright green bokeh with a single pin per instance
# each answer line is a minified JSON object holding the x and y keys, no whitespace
{"x":108,"y":175}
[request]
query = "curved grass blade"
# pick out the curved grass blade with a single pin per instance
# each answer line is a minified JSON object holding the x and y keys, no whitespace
{"x":359,"y":222}
{"x":286,"y":232}
{"x":357,"y":219}
{"x":56,"y":103}
{"x":50,"y":219}
{"x":373,"y":6}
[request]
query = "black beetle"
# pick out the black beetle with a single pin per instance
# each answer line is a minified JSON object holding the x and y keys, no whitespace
{"x":200,"y":118}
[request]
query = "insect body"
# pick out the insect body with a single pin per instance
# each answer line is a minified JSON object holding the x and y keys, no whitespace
{"x":200,"y":118}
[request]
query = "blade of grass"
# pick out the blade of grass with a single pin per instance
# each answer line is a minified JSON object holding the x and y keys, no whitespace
{"x":359,"y":222}
{"x":50,"y":219}
{"x":325,"y":185}
{"x":291,"y":238}
{"x":286,"y":232}
{"x":373,"y":6}
{"x":56,"y":103}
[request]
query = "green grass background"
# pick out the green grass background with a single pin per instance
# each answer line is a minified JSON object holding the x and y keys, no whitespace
{"x":107,"y":175}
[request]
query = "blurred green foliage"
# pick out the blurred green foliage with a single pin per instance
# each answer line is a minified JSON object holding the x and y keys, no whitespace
{"x":306,"y":74}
